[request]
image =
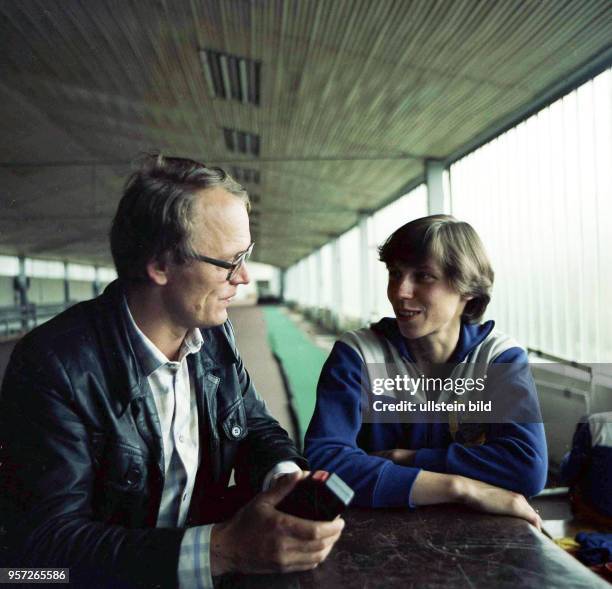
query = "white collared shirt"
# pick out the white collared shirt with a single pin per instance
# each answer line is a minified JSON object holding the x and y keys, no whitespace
{"x":175,"y":401}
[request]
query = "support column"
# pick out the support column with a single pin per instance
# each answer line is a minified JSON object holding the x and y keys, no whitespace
{"x":95,"y":285}
{"x":66,"y":285}
{"x":337,"y":284}
{"x":364,"y":266}
{"x":438,"y":200}
{"x":282,"y":279}
{"x":318,"y":261}
{"x":20,"y":284}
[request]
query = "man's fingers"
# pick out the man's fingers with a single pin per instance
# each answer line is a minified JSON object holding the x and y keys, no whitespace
{"x":289,"y":554}
{"x":308,"y":530}
{"x":311,"y":546}
{"x":295,"y":560}
{"x":277,"y":492}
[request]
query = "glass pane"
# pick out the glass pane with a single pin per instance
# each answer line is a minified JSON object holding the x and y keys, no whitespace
{"x":540,"y":196}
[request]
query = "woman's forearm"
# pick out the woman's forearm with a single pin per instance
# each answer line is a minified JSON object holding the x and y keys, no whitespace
{"x":430,"y":488}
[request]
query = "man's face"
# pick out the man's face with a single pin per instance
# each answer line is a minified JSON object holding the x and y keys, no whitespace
{"x":197,"y":294}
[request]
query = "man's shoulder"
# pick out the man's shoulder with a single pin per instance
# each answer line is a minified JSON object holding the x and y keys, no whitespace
{"x":82,"y":324}
{"x":53,"y":353}
{"x":77,"y":338}
{"x":70,"y":329}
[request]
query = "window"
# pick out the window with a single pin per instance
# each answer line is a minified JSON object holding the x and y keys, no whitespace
{"x":540,"y":196}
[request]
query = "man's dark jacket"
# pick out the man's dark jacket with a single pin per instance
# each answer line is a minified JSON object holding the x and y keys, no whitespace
{"x":82,"y":465}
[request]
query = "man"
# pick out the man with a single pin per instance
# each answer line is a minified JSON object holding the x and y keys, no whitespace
{"x":123,"y":417}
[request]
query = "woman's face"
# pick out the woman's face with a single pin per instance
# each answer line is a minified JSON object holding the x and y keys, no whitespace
{"x":424,"y":302}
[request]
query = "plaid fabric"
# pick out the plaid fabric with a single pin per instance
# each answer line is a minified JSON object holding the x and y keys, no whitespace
{"x":194,"y":559}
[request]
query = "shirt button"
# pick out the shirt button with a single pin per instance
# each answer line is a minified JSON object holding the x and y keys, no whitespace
{"x":185,"y":497}
{"x":181,"y":438}
{"x":236,"y":431}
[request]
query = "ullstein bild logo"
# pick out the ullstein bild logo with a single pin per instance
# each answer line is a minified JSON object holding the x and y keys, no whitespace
{"x":432,"y":406}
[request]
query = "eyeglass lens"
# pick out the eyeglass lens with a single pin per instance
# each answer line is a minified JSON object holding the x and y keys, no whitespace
{"x":239,"y":263}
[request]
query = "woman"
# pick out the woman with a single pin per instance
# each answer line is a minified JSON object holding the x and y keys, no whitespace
{"x":439,"y":284}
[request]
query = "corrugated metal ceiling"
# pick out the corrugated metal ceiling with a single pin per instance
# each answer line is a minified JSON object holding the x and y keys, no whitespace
{"x":355,"y":95}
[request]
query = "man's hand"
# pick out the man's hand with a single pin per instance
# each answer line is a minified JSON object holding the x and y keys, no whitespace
{"x":430,"y":488}
{"x":398,"y":455}
{"x":261,"y":539}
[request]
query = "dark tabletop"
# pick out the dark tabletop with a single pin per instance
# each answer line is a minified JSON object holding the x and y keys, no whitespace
{"x":442,"y":546}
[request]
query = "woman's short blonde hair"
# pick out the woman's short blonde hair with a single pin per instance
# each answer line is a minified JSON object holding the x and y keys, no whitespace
{"x":455,"y":246}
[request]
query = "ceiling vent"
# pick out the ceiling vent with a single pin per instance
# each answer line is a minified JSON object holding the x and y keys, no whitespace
{"x":231,"y":77}
{"x":241,"y":141}
{"x":245,"y":175}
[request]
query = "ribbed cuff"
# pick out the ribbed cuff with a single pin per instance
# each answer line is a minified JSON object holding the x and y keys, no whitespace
{"x":394,"y":486}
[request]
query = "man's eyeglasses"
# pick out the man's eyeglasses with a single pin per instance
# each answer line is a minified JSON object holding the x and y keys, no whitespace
{"x":233,"y":266}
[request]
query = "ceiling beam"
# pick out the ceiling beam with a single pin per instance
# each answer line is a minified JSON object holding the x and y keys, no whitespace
{"x":262,"y":160}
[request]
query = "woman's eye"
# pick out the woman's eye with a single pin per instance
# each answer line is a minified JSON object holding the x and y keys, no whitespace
{"x":425,"y":277}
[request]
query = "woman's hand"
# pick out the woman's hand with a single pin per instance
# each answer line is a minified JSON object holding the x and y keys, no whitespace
{"x":430,"y":488}
{"x":490,"y":499}
{"x":398,"y":455}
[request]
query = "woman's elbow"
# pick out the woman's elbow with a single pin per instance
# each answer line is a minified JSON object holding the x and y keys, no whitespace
{"x":533,"y":478}
{"x":533,"y":467}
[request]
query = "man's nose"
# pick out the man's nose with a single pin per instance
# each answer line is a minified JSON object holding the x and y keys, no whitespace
{"x":242,"y":275}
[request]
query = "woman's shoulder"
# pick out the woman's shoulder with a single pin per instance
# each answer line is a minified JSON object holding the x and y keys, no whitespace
{"x":495,"y":346}
{"x":374,"y":344}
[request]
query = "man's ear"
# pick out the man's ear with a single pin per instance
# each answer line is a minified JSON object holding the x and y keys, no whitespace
{"x":157,"y":271}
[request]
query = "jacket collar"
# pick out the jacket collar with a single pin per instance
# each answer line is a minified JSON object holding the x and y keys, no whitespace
{"x":129,"y":377}
{"x":124,"y":369}
{"x":470,"y":336}
{"x":149,"y":357}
